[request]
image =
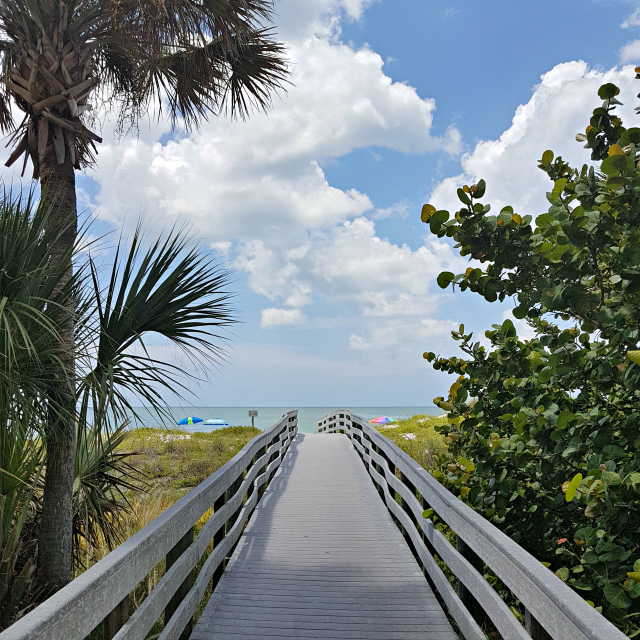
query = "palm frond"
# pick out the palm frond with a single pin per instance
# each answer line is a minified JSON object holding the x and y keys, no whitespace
{"x":32,"y":307}
{"x":6,"y":119}
{"x":170,"y":290}
{"x":189,"y":58}
{"x":103,"y":476}
{"x":237,"y":73}
{"x":256,"y":72}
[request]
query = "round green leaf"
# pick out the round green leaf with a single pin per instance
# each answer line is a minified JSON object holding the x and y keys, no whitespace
{"x":613,"y":165}
{"x":558,"y":188}
{"x":436,"y":220}
{"x":463,"y":197}
{"x":616,"y":595}
{"x":545,"y":374}
{"x":634,"y":356}
{"x":630,"y":136}
{"x":564,"y":418}
{"x":573,"y":487}
{"x":481,"y":187}
{"x":444,"y":279}
{"x":547,"y":157}
{"x":607,"y":91}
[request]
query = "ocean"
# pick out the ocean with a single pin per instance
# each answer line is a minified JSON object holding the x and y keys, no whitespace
{"x":238,"y":416}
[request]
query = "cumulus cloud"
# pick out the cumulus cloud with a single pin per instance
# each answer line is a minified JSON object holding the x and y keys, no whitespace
{"x":389,"y":288}
{"x":273,"y":317}
{"x":560,"y":107}
{"x":630,"y":52}
{"x":396,"y":210}
{"x":632,"y":21}
{"x":262,"y":178}
{"x":256,"y":193}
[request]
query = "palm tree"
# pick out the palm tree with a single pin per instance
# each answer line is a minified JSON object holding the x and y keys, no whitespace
{"x":189,"y":57}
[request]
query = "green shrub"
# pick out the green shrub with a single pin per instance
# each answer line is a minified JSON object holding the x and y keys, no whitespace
{"x":550,"y":452}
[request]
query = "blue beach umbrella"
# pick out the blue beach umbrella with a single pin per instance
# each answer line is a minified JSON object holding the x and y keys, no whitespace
{"x":190,"y":420}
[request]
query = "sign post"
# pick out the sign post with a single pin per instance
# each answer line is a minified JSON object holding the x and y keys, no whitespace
{"x":253,"y":414}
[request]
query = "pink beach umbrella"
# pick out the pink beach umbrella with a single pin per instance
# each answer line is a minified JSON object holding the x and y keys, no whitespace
{"x":381,"y":420}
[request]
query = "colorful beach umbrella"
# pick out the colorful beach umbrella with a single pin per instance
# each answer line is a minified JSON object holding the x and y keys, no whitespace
{"x":217,"y":422}
{"x":382,"y":420}
{"x":190,"y":420}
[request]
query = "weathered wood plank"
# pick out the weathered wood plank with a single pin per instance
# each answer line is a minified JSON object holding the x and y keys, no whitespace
{"x":322,"y":558}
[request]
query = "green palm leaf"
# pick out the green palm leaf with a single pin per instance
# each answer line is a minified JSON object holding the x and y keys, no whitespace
{"x":32,"y":307}
{"x":103,"y":476}
{"x":170,"y":290}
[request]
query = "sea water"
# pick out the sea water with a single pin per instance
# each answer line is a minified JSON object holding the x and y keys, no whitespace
{"x":239,"y":416}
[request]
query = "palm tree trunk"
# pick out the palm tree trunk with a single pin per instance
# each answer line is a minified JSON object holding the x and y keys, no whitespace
{"x":55,"y":539}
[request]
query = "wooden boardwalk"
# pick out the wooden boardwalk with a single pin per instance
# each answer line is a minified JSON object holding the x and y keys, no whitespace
{"x":322,"y":558}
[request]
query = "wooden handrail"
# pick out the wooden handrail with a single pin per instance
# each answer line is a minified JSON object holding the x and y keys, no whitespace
{"x":553,"y":609}
{"x":98,"y":594}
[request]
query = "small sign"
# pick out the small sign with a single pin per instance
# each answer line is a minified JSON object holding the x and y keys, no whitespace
{"x":253,"y":413}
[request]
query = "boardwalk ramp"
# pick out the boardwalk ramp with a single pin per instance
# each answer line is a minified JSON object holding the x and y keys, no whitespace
{"x":322,"y":558}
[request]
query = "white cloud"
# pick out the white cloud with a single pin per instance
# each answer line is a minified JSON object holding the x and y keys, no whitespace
{"x":630,"y":52}
{"x":262,"y":178}
{"x":272,"y":317}
{"x":304,"y":18}
{"x":560,"y":107}
{"x":303,"y":241}
{"x":387,"y":287}
{"x":222,"y":248}
{"x":396,"y":210}
{"x":632,"y":21}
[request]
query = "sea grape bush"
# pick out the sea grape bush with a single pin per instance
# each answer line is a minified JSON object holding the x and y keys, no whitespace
{"x":544,"y":433}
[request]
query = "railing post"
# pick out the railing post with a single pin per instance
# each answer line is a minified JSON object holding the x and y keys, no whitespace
{"x":182,"y":545}
{"x":534,"y":628}
{"x":407,"y":509}
{"x":465,"y":595}
{"x":116,"y":619}
{"x":262,"y":487}
{"x":218,"y":537}
{"x":234,"y":489}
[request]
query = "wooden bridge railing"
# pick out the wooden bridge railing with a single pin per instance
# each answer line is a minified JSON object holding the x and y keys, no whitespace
{"x":101,"y":594}
{"x":552,"y":609}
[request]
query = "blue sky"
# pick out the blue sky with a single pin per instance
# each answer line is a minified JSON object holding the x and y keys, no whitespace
{"x":316,"y":205}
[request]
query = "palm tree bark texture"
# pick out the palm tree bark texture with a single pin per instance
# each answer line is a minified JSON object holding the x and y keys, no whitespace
{"x":191,"y":58}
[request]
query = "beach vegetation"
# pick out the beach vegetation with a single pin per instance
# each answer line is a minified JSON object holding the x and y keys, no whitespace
{"x":545,"y":429}
{"x":168,"y":288}
{"x":125,"y":57}
{"x":418,"y":437}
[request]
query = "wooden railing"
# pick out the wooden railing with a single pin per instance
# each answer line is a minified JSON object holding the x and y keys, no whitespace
{"x":101,"y":594}
{"x":552,"y":609}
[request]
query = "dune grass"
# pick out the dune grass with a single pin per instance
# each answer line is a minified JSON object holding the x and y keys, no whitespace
{"x":172,"y":463}
{"x":417,"y":437}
